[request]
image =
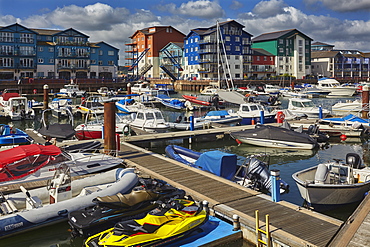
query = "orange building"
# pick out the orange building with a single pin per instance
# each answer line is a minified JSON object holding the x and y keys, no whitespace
{"x":143,"y":51}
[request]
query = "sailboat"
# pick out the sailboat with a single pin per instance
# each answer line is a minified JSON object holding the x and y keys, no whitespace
{"x":229,"y":94}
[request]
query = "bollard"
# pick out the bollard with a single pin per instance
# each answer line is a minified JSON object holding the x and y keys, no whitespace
{"x":320,"y":112}
{"x":191,"y":119}
{"x":205,"y":206}
{"x":275,"y":181}
{"x":236,"y":222}
{"x":102,"y":132}
{"x":262,"y":114}
{"x":118,"y":143}
{"x":46,"y":96}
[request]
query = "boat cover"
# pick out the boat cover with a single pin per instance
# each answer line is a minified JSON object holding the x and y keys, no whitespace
{"x":232,"y":97}
{"x":267,"y":132}
{"x":57,"y":130}
{"x":221,"y":113}
{"x":219,"y":163}
{"x":23,"y":160}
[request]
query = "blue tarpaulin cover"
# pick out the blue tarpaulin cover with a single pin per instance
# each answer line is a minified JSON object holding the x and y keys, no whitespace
{"x":218,"y":163}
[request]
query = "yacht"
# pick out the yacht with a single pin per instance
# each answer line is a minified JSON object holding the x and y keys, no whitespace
{"x":71,"y":90}
{"x":305,"y":106}
{"x":335,"y":88}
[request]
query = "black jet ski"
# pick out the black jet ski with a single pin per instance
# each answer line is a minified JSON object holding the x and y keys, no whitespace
{"x":112,"y":209}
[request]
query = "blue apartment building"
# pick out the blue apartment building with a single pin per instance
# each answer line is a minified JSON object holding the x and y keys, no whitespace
{"x":60,"y":54}
{"x":226,"y":46}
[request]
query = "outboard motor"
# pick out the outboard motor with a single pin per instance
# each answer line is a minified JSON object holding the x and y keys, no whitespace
{"x":353,"y":160}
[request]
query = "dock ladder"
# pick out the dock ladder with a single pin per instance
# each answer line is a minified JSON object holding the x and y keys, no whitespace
{"x":259,"y":237}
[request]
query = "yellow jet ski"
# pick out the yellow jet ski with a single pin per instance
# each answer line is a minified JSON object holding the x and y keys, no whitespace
{"x":168,"y":222}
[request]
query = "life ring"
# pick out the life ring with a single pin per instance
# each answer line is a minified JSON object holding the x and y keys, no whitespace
{"x":282,"y":116}
{"x":126,"y":130}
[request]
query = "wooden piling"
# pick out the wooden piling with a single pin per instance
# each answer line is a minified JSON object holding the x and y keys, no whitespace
{"x":46,"y":96}
{"x":109,"y":126}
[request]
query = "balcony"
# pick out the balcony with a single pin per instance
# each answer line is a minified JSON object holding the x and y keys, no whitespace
{"x":201,"y":51}
{"x":207,"y":41}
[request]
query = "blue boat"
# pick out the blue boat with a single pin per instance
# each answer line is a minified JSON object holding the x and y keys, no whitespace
{"x":348,"y":120}
{"x":252,"y":174}
{"x":12,"y":136}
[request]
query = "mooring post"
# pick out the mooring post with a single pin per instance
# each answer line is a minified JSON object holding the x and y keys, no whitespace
{"x":275,"y":180}
{"x":46,"y":96}
{"x":109,"y":126}
{"x":128,"y":90}
{"x":236,"y":222}
{"x":262,"y":117}
{"x":320,"y":112}
{"x":365,"y":101}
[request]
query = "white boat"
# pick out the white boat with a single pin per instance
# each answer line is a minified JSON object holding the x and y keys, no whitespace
{"x":104,"y":91}
{"x":71,"y":91}
{"x":305,"y":106}
{"x":40,"y":207}
{"x":274,"y":137}
{"x":37,"y":165}
{"x":61,"y":107}
{"x":334,"y":183}
{"x":14,"y":106}
{"x":272,"y":89}
{"x":93,"y":104}
{"x":251,"y":112}
{"x":221,"y":117}
{"x":150,"y":120}
{"x":143,"y":88}
{"x":128,"y":105}
{"x":343,"y":108}
{"x":210,"y":90}
{"x":335,"y":88}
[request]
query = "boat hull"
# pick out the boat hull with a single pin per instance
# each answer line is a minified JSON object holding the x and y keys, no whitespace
{"x":276,"y":143}
{"x":254,"y":120}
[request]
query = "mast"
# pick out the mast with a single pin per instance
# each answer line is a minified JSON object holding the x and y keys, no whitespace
{"x":218,"y":54}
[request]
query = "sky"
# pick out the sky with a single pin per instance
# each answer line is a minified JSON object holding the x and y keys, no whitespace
{"x":343,"y":23}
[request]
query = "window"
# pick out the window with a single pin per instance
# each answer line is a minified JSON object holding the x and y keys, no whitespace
{"x":110,"y":63}
{"x":51,"y":60}
{"x":264,"y":58}
{"x":227,"y":38}
{"x":26,"y":62}
{"x":100,"y":62}
{"x":40,"y":60}
{"x":228,"y":48}
{"x":93,"y":50}
{"x":237,"y":66}
{"x":237,"y":57}
{"x":237,"y":48}
{"x":100,"y":53}
{"x":281,"y":50}
{"x":6,"y":37}
{"x":281,"y":41}
{"x":51,"y":49}
{"x":237,"y":39}
{"x":41,"y":49}
{"x":49,"y":38}
{"x":300,"y":42}
{"x":93,"y":61}
{"x":110,"y":53}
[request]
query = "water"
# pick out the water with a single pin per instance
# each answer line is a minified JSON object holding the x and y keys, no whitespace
{"x":287,"y":161}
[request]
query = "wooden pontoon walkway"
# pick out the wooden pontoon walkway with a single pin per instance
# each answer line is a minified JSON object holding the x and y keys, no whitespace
{"x":290,"y":224}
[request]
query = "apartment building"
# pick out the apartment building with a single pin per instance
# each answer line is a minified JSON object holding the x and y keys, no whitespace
{"x":44,"y":53}
{"x":292,"y":51}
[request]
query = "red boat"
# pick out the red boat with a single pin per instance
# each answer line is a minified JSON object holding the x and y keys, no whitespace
{"x":200,"y":100}
{"x":24,"y":160}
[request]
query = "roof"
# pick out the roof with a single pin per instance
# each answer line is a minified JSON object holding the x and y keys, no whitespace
{"x":320,"y":44}
{"x":323,"y":54}
{"x":145,"y":31}
{"x":278,"y":34}
{"x":208,"y":30}
{"x":261,"y":52}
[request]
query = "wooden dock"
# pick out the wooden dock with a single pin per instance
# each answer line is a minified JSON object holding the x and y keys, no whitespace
{"x":289,"y":224}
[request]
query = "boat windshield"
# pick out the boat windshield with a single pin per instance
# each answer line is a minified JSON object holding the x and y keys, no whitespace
{"x":158,"y":115}
{"x":303,"y":104}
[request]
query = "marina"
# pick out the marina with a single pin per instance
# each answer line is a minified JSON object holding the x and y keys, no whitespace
{"x":145,"y":152}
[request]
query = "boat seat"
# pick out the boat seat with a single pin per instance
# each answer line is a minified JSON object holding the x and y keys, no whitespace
{"x":126,"y":200}
{"x":321,"y":175}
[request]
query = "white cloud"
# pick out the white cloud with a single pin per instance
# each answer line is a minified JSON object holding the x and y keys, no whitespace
{"x":203,"y":9}
{"x":236,"y":5}
{"x":266,"y":9}
{"x":343,"y":5}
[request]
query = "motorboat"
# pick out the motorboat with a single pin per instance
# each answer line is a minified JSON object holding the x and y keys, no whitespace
{"x":127,"y":104}
{"x":275,"y":137}
{"x":221,"y":117}
{"x":14,"y":106}
{"x":210,"y":90}
{"x":335,"y":182}
{"x":94,"y":129}
{"x":31,"y":209}
{"x":108,"y":210}
{"x":185,"y":124}
{"x":104,"y":91}
{"x":155,"y":228}
{"x":348,"y":107}
{"x":172,"y":103}
{"x":150,"y":120}
{"x":271,"y":89}
{"x":310,"y":90}
{"x":34,"y":162}
{"x":10,"y":135}
{"x":70,"y":90}
{"x":252,"y":174}
{"x":61,"y":106}
{"x":165,"y":88}
{"x":348,"y":120}
{"x":93,"y":104}
{"x":143,"y":88}
{"x":252,"y":112}
{"x":205,"y":100}
{"x":305,"y":106}
{"x":58,"y":130}
{"x":335,"y":88}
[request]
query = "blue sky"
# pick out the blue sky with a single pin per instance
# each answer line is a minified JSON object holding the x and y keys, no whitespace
{"x":343,"y":23}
